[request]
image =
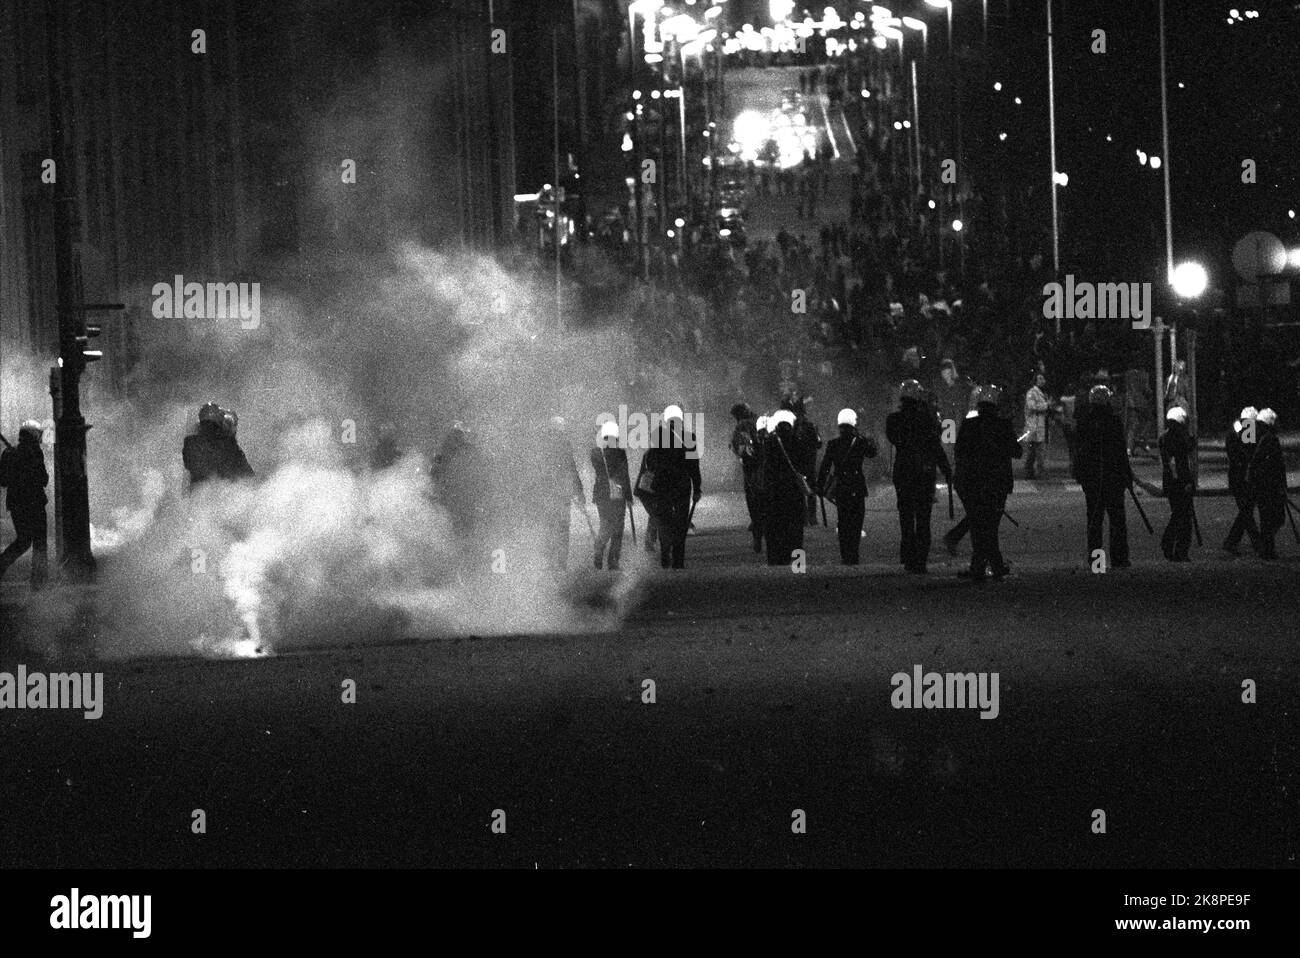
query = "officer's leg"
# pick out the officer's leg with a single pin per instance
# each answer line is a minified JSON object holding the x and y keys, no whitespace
{"x":617,"y":518}
{"x":924,"y":506}
{"x":1118,"y":528}
{"x":22,"y":542}
{"x":1167,"y":537}
{"x":682,"y":524}
{"x":1096,"y":513}
{"x":1183,"y":531}
{"x":996,"y":562}
{"x":978,"y":540}
{"x":40,"y":554}
{"x":851,"y":514}
{"x":906,"y":527}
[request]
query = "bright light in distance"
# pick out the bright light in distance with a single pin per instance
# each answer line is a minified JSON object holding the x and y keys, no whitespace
{"x":932,"y":204}
{"x":1293,"y":257}
{"x":712,"y":12}
{"x":1018,"y":101}
{"x":879,"y":42}
{"x":1189,"y":280}
{"x":914,"y":24}
{"x":997,"y":87}
{"x":724,"y":231}
{"x":957,"y":226}
{"x":907,"y":124}
{"x":654,"y":58}
{"x":1155,"y":162}
{"x":897,"y":125}
{"x":644,"y":7}
{"x":1291,"y":213}
{"x":1002,"y":136}
{"x":866,"y":94}
{"x":941,"y":4}
{"x":1142,"y":157}
{"x":627,"y":142}
{"x":654,"y":94}
{"x":780,"y":10}
{"x":1061,"y":179}
{"x":679,"y":222}
{"x":671,"y":234}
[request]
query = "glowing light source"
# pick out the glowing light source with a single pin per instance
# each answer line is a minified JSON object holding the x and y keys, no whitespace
{"x":1189,"y":279}
{"x":958,"y":226}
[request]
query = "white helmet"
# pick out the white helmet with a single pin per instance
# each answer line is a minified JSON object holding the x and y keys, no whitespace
{"x":672,"y":412}
{"x":762,"y":424}
{"x":1177,"y":414}
{"x":1268,"y":417}
{"x":609,"y":429}
{"x":847,"y":417}
{"x":1250,"y":412}
{"x":1236,"y":426}
{"x":781,"y":416}
{"x":31,"y":427}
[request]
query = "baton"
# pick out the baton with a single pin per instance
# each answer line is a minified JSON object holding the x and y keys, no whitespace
{"x":631,"y":514}
{"x":1009,"y":519}
{"x":823,"y":504}
{"x":1197,"y":526}
{"x":951,"y":514}
{"x":1145,"y":521}
{"x":690,"y":515}
{"x":8,"y":444}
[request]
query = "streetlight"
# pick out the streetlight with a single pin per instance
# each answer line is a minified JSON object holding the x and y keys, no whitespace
{"x":914,"y":24}
{"x":1189,"y":280}
{"x":944,"y":5}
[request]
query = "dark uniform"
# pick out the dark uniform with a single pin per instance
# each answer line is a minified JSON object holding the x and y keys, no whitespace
{"x":1102,"y":468}
{"x":915,"y":433}
{"x":674,"y":462}
{"x":1175,"y":455}
{"x":803,"y":450}
{"x":986,"y":445}
{"x":462,"y":476}
{"x":560,"y":486}
{"x":746,"y":446}
{"x":843,"y":463}
{"x":23,"y":474}
{"x":609,"y":495}
{"x":1267,"y":485}
{"x":1239,"y":458}
{"x":784,"y":504}
{"x":213,"y":454}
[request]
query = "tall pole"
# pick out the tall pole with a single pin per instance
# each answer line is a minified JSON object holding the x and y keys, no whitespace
{"x":642,"y":253}
{"x":1051,"y":121}
{"x":1164,"y":132}
{"x":916,"y":127}
{"x":72,"y":491}
{"x":555,"y":121}
{"x":682,"y":182}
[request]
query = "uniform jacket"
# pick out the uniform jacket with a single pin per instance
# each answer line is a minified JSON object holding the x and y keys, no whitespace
{"x":23,"y":473}
{"x":609,"y":465}
{"x":986,"y":444}
{"x":844,"y":456}
{"x":1266,"y":471}
{"x":211,"y":454}
{"x":784,"y":493}
{"x":1239,"y":457}
{"x":1175,"y":456}
{"x":745,"y":444}
{"x":677,"y":474}
{"x":1036,"y":407}
{"x":915,"y":433}
{"x":803,"y":449}
{"x":1101,"y":453}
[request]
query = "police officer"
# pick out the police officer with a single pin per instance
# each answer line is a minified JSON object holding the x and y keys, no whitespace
{"x":673,"y":465}
{"x":840,"y":479}
{"x":916,"y":435}
{"x":745,"y":446}
{"x":803,"y":450}
{"x":23,"y":474}
{"x":561,"y":489}
{"x":462,"y":477}
{"x":609,"y":494}
{"x":213,"y":451}
{"x":1102,"y":469}
{"x":1240,"y":452}
{"x":1176,"y":480}
{"x":785,"y":502}
{"x":1267,"y":478}
{"x":986,"y":445}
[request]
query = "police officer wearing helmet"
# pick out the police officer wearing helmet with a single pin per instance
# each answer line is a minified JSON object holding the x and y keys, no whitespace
{"x":1267,"y":481}
{"x":1176,"y":480}
{"x":916,"y":435}
{"x":1240,"y":446}
{"x":213,"y":452}
{"x":23,"y":475}
{"x":840,"y":479}
{"x":1102,"y":469}
{"x":609,"y":493}
{"x":785,"y":495}
{"x":671,"y":471}
{"x":986,"y":445}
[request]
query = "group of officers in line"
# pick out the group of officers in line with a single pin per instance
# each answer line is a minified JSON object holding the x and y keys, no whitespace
{"x":783,"y":482}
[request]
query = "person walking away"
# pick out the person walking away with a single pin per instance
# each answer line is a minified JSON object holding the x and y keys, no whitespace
{"x":213,"y":452}
{"x":1103,"y":471}
{"x":840,"y":480}
{"x":1267,"y":482}
{"x":914,"y":431}
{"x":669,"y":483}
{"x":1240,"y":451}
{"x":986,"y":445}
{"x":1176,"y":480}
{"x":786,"y":491}
{"x":609,"y":494}
{"x":807,"y":441}
{"x":745,"y":446}
{"x":1036,"y":407}
{"x":562,"y":489}
{"x":24,"y":476}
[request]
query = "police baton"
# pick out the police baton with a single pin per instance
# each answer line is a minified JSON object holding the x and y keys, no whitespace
{"x":823,"y":504}
{"x":631,"y":514}
{"x":1145,"y":521}
{"x":1008,"y":518}
{"x":951,"y":514}
{"x":1196,"y":524}
{"x":8,"y":444}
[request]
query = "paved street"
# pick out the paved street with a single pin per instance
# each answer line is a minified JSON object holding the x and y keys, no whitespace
{"x":1119,"y":691}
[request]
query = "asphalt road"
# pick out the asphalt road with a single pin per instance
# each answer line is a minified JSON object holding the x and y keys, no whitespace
{"x":1119,"y":692}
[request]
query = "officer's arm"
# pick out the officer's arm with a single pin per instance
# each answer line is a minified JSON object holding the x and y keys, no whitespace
{"x":825,"y":468}
{"x":693,"y":468}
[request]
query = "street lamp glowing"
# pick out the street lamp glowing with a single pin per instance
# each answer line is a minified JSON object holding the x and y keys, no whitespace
{"x":941,"y":4}
{"x":780,"y":10}
{"x":1189,"y":280}
{"x":1061,"y":179}
{"x":644,"y":8}
{"x":682,"y":28}
{"x":1293,"y":257}
{"x":1155,"y":162}
{"x":957,"y":226}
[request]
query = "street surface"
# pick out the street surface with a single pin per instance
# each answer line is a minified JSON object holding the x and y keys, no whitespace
{"x":1119,"y":692}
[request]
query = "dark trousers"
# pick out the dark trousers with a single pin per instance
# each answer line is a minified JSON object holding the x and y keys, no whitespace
{"x":1107,"y":504}
{"x":610,"y":534}
{"x":1177,"y":538}
{"x":986,"y":552}
{"x":32,"y":533}
{"x":1272,"y":513}
{"x":849,"y":515}
{"x":812,"y":509}
{"x":957,"y":532}
{"x":754,"y":503}
{"x":784,"y":531}
{"x":671,"y":525}
{"x":1244,"y":524}
{"x":914,"y":506}
{"x":1035,"y":462}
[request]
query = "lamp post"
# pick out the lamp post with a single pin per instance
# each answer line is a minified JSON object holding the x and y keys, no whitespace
{"x":1051,"y":123}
